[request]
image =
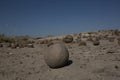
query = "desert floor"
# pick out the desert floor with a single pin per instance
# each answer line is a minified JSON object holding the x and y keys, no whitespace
{"x":89,"y":62}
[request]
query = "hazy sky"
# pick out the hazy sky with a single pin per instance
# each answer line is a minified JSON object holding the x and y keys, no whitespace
{"x":43,"y":17}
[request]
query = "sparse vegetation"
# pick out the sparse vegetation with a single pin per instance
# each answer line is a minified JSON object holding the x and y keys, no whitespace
{"x":15,"y":41}
{"x":97,"y":53}
{"x":4,"y":38}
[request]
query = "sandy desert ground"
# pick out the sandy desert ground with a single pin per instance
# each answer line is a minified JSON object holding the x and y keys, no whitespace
{"x":88,"y":62}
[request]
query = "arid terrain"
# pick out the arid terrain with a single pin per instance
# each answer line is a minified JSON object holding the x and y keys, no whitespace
{"x":92,"y":56}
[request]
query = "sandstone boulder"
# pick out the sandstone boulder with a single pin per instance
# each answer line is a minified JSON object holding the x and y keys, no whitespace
{"x":57,"y":55}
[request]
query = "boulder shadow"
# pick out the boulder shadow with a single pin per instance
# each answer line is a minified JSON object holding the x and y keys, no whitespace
{"x":68,"y":63}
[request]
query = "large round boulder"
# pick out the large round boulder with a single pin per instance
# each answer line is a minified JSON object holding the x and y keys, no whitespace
{"x":57,"y":55}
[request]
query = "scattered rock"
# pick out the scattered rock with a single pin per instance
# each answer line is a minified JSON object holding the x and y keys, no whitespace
{"x":1,"y":45}
{"x":68,"y":39}
{"x":49,"y":44}
{"x":44,"y":41}
{"x":118,"y":38}
{"x":110,"y":51}
{"x":82,"y":43}
{"x":96,"y":43}
{"x":21,"y":62}
{"x":13,"y":46}
{"x":8,"y":45}
{"x":111,"y":39}
{"x":116,"y":67}
{"x":9,"y":53}
{"x":119,"y":42}
{"x":69,"y":47}
{"x":30,"y":46}
{"x":117,"y":32}
{"x":89,"y":39}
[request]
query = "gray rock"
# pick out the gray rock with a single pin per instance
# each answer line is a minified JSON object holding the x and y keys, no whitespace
{"x":1,"y":45}
{"x":30,"y":46}
{"x":57,"y":55}
{"x":68,"y":39}
{"x":96,"y":43}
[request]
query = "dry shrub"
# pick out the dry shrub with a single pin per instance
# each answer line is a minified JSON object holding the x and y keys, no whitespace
{"x":16,"y":41}
{"x":4,"y":38}
{"x":82,"y":43}
{"x":22,"y":38}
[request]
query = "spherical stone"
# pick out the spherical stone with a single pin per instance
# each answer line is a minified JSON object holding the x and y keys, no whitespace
{"x":56,"y":56}
{"x":68,"y":39}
